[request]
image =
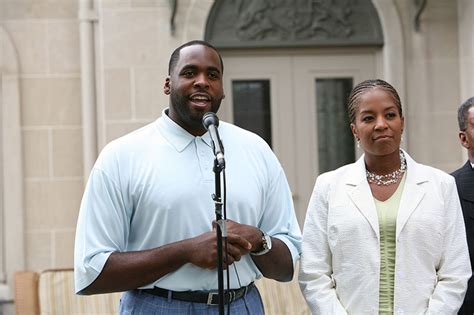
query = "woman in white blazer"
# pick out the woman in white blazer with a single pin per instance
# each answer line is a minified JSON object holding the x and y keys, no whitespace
{"x":384,"y":235}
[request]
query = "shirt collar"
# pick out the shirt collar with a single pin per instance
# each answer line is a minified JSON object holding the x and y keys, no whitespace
{"x":472,"y":165}
{"x":176,"y":135}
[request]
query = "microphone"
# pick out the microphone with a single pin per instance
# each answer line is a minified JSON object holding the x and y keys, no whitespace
{"x":211,"y":122}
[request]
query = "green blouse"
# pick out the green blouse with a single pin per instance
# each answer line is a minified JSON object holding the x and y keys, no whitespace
{"x":387,"y":213}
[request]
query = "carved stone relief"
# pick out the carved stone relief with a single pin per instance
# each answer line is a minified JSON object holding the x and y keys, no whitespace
{"x":270,"y":23}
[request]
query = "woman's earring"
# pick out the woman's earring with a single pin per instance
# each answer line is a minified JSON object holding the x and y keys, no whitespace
{"x":358,"y":143}
{"x":401,"y":138}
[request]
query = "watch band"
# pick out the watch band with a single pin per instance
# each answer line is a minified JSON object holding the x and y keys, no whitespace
{"x":266,"y":244}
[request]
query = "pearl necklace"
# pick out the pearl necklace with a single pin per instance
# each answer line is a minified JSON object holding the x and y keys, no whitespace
{"x":391,"y":178}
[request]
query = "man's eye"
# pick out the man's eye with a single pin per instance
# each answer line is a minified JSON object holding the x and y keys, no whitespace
{"x":188,"y":73}
{"x":213,"y":75}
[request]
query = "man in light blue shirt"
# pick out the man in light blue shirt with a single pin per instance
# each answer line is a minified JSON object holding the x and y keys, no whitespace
{"x":146,"y":219}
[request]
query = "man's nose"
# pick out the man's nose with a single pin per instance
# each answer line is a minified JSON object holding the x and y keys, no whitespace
{"x":201,"y":81}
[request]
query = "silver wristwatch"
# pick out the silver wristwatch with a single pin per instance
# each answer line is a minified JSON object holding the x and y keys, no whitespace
{"x":266,"y":244}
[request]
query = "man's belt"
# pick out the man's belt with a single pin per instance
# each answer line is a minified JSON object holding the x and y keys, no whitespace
{"x":210,"y":298}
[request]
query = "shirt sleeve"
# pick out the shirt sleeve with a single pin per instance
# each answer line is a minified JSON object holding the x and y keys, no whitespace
{"x":315,"y":275}
{"x":101,"y":229}
{"x":279,"y":218}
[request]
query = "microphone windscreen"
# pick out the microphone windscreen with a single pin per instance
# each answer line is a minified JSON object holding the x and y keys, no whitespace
{"x":208,"y":119}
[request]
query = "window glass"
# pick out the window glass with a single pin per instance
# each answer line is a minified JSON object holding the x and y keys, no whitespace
{"x":335,"y":139}
{"x":251,"y":103}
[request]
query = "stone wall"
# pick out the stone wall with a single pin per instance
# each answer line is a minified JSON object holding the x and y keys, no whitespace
{"x":45,"y":36}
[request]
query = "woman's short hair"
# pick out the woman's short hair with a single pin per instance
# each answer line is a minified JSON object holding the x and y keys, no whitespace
{"x":365,"y":86}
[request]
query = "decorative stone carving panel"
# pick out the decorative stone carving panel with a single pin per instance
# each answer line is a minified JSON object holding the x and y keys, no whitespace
{"x":293,"y":23}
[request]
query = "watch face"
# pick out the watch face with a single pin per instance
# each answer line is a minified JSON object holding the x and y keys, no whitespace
{"x":266,"y":245}
{"x":267,"y":242}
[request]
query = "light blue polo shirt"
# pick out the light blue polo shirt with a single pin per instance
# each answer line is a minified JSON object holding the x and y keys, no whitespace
{"x":153,"y":187}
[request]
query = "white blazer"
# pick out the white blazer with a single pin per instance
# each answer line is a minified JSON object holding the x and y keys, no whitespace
{"x":340,"y":262}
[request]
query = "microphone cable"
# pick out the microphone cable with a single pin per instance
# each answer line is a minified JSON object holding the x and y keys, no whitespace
{"x":224,"y":194}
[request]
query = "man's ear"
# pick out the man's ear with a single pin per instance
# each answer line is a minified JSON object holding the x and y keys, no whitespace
{"x":463,"y":139}
{"x":167,"y":87}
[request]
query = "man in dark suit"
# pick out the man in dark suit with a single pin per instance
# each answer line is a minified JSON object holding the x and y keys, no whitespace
{"x":465,"y":184}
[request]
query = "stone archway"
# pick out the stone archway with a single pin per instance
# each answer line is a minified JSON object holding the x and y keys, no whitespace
{"x":262,"y":30}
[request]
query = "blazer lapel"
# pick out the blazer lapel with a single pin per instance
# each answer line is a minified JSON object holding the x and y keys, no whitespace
{"x":413,"y":193}
{"x":359,"y":192}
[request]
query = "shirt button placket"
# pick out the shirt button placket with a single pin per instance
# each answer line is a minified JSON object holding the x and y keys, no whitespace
{"x":204,"y":162}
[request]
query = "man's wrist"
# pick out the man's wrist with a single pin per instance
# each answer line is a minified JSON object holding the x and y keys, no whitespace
{"x":266,"y":244}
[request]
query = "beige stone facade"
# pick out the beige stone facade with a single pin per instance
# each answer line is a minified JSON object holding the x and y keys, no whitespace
{"x":55,"y":120}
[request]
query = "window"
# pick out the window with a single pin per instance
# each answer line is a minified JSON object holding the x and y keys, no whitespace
{"x":335,"y":139}
{"x":251,"y":99}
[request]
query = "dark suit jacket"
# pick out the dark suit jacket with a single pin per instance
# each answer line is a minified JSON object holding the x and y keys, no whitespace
{"x":465,"y":184}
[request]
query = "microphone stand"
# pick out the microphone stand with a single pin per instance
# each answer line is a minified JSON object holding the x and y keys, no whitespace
{"x":221,"y":232}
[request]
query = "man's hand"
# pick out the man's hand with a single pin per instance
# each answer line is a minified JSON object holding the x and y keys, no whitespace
{"x":203,"y":249}
{"x":277,"y":263}
{"x":251,"y":233}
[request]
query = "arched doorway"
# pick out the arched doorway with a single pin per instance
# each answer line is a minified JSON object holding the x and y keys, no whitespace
{"x":288,"y":69}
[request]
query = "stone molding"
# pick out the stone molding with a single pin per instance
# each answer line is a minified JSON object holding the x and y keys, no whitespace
{"x":11,"y":169}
